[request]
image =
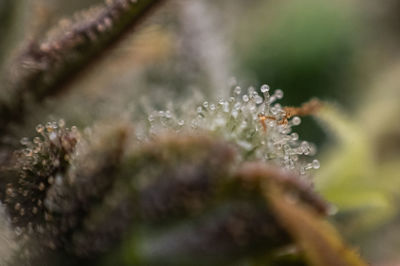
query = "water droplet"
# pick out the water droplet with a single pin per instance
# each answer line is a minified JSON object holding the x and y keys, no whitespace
{"x":296,"y":121}
{"x":53,"y":136}
{"x":212,"y":107}
{"x":264,"y":88}
{"x":237,"y":90}
{"x":28,"y":152}
{"x":181,"y":122}
{"x":61,"y":123}
{"x":278,"y":94}
{"x":42,"y":186}
{"x":294,"y":136}
{"x":315,"y":164}
{"x":251,"y":90}
{"x":36,"y":140}
{"x":9,"y":191}
{"x":245,"y":98}
{"x":205,"y":104}
{"x":258,"y":99}
{"x":39,"y":128}
{"x":59,"y":179}
{"x":49,"y":127}
{"x":18,"y":231}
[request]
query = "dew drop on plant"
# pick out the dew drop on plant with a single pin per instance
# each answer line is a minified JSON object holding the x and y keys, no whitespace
{"x":28,"y":152}
{"x":61,"y":123}
{"x":53,"y":136}
{"x":264,"y":88}
{"x":237,"y":90}
{"x":258,"y":100}
{"x":278,"y":94}
{"x":294,"y":136}
{"x":296,"y":121}
{"x":18,"y":231}
{"x":315,"y":164}
{"x":59,"y":180}
{"x":24,"y":141}
{"x":39,"y":128}
{"x":49,"y":127}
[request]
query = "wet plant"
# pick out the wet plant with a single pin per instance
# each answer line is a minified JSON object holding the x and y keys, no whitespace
{"x":224,"y":182}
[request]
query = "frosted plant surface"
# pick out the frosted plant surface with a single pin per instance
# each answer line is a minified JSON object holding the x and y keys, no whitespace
{"x":259,"y":126}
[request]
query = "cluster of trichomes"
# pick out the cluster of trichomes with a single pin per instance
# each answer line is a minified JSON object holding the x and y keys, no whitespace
{"x":261,"y":128}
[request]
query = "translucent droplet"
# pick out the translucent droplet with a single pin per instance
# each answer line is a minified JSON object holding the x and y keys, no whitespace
{"x":212,"y":107}
{"x":205,"y":104}
{"x":237,"y":90}
{"x":278,"y":94}
{"x":294,"y":136}
{"x":18,"y":231}
{"x":237,"y":106}
{"x":24,"y":141}
{"x":250,"y":90}
{"x":39,"y":128}
{"x":28,"y":152}
{"x":245,"y":98}
{"x":42,"y":186}
{"x":36,"y":140}
{"x":61,"y":123}
{"x":181,"y":122}
{"x":258,"y":99}
{"x":53,"y":136}
{"x":315,"y":164}
{"x":234,"y":113}
{"x":150,"y":118}
{"x":59,"y":180}
{"x":296,"y":121}
{"x":199,"y":109}
{"x":264,"y":88}
{"x":49,"y":127}
{"x":305,"y":148}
